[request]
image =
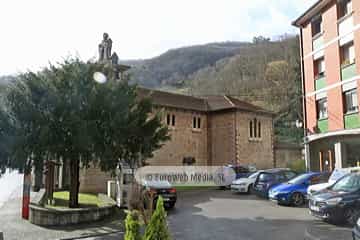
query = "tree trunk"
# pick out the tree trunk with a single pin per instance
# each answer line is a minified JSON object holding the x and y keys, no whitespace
{"x":74,"y":183}
{"x":39,"y":168}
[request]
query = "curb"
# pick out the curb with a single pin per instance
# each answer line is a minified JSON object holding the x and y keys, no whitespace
{"x":91,"y":235}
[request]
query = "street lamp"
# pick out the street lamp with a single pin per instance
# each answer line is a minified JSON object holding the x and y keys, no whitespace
{"x":299,"y":123}
{"x":99,"y":77}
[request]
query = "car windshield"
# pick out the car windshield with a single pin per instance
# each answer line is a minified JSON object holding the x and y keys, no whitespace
{"x":299,"y":179}
{"x":254,"y":175}
{"x":349,"y":183}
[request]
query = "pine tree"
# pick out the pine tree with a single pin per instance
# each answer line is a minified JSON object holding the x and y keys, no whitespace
{"x":132,"y":226}
{"x":157,"y":228}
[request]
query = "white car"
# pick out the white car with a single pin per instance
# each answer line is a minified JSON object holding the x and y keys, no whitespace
{"x":243,"y":185}
{"x":336,"y":175}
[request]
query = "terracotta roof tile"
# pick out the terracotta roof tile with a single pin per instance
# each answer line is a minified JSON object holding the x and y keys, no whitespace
{"x":204,"y":104}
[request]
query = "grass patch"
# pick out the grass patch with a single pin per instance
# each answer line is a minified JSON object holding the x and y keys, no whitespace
{"x":86,"y":200}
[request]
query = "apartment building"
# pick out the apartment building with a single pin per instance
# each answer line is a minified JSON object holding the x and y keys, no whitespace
{"x":330,"y":52}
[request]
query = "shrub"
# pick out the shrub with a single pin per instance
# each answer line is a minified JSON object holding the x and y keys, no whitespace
{"x":157,"y":228}
{"x":132,"y":226}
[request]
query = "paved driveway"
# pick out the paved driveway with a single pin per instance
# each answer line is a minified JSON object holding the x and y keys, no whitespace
{"x":221,"y":215}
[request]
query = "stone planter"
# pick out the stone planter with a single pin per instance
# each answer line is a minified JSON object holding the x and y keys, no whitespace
{"x":42,"y":216}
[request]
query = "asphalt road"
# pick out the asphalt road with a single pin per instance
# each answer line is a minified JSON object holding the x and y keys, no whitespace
{"x":221,"y":215}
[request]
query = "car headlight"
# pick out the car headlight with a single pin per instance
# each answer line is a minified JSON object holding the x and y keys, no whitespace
{"x":242,"y":184}
{"x":333,"y":201}
{"x":358,"y":222}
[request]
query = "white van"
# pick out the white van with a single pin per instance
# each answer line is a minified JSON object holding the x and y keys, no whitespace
{"x":336,"y":175}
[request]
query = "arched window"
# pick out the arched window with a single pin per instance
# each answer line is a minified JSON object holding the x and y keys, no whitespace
{"x":251,"y":129}
{"x":255,"y":128}
{"x":259,"y":129}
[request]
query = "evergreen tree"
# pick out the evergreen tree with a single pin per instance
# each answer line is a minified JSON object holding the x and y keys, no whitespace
{"x":132,"y":226}
{"x":157,"y":228}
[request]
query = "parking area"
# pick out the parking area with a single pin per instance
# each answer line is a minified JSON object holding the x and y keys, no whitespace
{"x":219,"y":214}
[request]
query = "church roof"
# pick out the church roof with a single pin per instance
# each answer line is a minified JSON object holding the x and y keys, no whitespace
{"x":211,"y":103}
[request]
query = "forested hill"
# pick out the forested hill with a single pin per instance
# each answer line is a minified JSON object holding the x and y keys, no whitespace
{"x":172,"y":67}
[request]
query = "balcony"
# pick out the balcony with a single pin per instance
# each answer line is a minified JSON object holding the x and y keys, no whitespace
{"x":352,"y":121}
{"x":345,"y":28}
{"x":323,"y":125}
{"x":320,"y":83}
{"x":348,"y":71}
{"x":318,"y":41}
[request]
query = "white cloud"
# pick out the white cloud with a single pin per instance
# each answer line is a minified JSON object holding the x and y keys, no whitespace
{"x":36,"y":32}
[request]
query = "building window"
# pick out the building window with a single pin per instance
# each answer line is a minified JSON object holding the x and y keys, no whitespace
{"x":351,"y":104}
{"x":255,"y":129}
{"x":196,"y":122}
{"x":319,"y":68}
{"x":173,"y":120}
{"x":347,"y":54}
{"x":344,"y":8}
{"x":251,"y":129}
{"x":259,"y":129}
{"x":316,"y":26}
{"x":168,"y":119}
{"x":321,"y":108}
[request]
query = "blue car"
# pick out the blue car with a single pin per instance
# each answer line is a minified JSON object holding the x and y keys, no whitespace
{"x":294,"y":191}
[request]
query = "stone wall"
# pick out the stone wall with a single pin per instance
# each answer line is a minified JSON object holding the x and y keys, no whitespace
{"x":43,"y":216}
{"x":93,"y":180}
{"x":222,"y":137}
{"x":255,"y":151}
{"x":284,"y":155}
{"x":186,"y":141}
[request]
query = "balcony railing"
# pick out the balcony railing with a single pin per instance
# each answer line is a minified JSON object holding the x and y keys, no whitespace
{"x":323,"y":125}
{"x":318,"y":42}
{"x":320,"y":83}
{"x":348,"y":71}
{"x":352,"y":121}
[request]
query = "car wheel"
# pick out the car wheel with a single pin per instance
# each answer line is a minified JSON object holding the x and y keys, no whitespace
{"x":351,"y":215}
{"x":297,"y":199}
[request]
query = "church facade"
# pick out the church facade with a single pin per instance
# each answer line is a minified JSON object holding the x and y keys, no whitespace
{"x":205,"y":131}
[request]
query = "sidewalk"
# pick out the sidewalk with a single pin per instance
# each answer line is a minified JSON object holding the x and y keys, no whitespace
{"x":16,"y":228}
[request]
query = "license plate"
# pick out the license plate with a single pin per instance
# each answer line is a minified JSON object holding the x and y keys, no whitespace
{"x":315,"y":208}
{"x":166,"y":199}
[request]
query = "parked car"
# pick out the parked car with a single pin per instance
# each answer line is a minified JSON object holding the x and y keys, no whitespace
{"x":244,"y":185}
{"x":339,"y":202}
{"x":356,"y":231}
{"x":163,"y":189}
{"x":336,"y":175}
{"x":271,"y":178}
{"x":294,"y":191}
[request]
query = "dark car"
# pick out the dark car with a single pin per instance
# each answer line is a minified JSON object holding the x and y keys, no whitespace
{"x":356,"y":231}
{"x":294,"y":192}
{"x":163,"y":189}
{"x":271,"y":178}
{"x":242,"y":171}
{"x":339,"y":202}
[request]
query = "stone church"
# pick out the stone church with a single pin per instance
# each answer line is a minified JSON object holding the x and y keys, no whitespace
{"x":209,"y":130}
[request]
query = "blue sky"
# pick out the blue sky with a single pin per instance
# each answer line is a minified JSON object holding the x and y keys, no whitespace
{"x":40,"y":31}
